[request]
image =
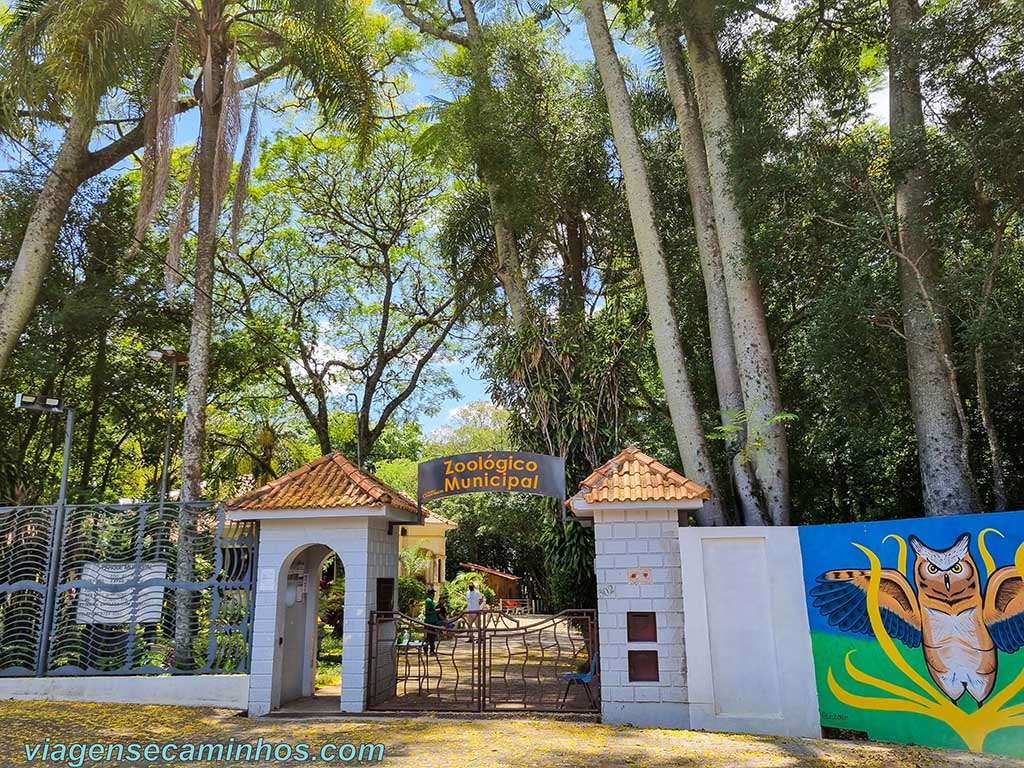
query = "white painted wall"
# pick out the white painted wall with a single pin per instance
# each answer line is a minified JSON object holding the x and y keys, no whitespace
{"x":748,"y":642}
{"x":367,"y":552}
{"x":630,"y":538}
{"x":223,"y":691}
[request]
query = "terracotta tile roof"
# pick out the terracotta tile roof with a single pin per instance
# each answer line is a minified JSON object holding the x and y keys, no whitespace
{"x":433,"y":517}
{"x":330,"y":482}
{"x":485,"y":569}
{"x":635,"y":476}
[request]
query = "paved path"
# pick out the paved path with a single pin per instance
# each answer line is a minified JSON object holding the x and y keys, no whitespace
{"x":429,"y":742}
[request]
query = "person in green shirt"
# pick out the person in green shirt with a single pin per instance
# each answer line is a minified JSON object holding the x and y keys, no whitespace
{"x":432,"y":619}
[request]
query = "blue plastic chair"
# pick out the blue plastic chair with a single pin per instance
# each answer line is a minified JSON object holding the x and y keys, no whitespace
{"x":581,"y":678}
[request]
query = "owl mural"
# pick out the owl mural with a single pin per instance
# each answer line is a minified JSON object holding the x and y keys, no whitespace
{"x":945,"y":610}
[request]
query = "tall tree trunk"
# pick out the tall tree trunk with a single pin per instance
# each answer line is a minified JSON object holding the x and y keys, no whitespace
{"x":698,"y":183}
{"x":97,"y":386}
{"x":192,"y":453}
{"x":995,"y":445}
{"x":758,"y":379}
{"x":509,"y":267}
{"x":20,"y":294}
{"x":202,"y":303}
{"x":668,"y":347}
{"x":574,"y":263}
{"x":939,"y":418}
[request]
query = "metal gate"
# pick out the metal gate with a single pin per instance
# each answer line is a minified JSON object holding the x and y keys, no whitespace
{"x":125,"y":589}
{"x":541,"y":663}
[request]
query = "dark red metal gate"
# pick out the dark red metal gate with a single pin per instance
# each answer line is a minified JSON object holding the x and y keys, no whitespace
{"x":503,"y":662}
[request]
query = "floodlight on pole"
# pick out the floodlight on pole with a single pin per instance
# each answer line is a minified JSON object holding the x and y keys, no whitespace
{"x":48,"y":404}
{"x":174,"y":358}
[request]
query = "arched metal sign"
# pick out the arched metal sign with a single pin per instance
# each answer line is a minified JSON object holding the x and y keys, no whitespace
{"x":494,"y":472}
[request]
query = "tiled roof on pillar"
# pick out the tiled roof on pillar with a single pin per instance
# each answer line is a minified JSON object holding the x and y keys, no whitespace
{"x":633,"y":476}
{"x":330,"y":482}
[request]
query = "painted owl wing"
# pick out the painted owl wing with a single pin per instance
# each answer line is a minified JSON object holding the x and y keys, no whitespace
{"x":1004,"y":609}
{"x":842,"y":597}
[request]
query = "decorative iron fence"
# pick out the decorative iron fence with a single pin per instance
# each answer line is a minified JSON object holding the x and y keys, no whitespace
{"x":125,"y":589}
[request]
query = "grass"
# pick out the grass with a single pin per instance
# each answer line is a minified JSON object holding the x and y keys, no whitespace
{"x":328,"y":661}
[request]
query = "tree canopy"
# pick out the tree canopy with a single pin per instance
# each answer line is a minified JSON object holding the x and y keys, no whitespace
{"x":778,"y":246}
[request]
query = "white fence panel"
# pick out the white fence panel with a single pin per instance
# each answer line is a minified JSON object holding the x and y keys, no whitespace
{"x":748,"y":643}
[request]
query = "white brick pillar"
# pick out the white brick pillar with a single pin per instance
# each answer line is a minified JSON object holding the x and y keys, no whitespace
{"x":639,"y":574}
{"x":637,"y":505}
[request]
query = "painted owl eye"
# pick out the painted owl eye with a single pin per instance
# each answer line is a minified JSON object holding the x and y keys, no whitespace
{"x":957,"y":568}
{"x":932,"y":568}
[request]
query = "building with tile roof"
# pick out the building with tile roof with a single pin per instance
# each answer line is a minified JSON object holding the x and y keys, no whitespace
{"x":330,"y":483}
{"x":334,"y":485}
{"x":505,"y":585}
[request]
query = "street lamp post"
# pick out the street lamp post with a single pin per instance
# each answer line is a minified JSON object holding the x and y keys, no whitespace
{"x":355,"y":399}
{"x":174,"y":358}
{"x":52,"y":405}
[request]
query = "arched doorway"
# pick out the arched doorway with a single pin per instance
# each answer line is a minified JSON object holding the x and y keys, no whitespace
{"x":311,"y":616}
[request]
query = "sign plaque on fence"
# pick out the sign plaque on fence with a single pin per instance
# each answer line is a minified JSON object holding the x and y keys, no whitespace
{"x":494,"y":472}
{"x":121,"y":606}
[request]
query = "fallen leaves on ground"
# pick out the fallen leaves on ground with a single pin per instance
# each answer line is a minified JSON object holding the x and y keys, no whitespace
{"x":436,"y":742}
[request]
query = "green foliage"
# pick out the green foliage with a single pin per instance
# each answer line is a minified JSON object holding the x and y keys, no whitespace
{"x":569,"y":556}
{"x":736,"y":420}
{"x":411,"y":594}
{"x":414,"y":562}
{"x":343,"y":275}
{"x":366,"y":244}
{"x":456,"y":589}
{"x":331,"y":606}
{"x":328,"y":658}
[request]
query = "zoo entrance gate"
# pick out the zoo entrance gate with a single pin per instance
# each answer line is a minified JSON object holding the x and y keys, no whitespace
{"x":540,"y":664}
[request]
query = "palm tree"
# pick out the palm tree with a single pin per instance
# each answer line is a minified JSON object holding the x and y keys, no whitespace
{"x":58,"y":60}
{"x":323,"y":47}
{"x":64,"y":64}
{"x":414,"y":562}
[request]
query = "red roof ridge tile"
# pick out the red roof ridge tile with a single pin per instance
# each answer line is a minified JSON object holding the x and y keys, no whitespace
{"x":633,"y":476}
{"x":298,"y":490}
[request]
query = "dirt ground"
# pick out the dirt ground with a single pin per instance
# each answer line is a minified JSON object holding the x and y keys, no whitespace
{"x":434,"y":742}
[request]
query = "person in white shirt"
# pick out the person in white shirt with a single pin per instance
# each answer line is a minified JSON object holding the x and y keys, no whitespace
{"x":474,"y":602}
